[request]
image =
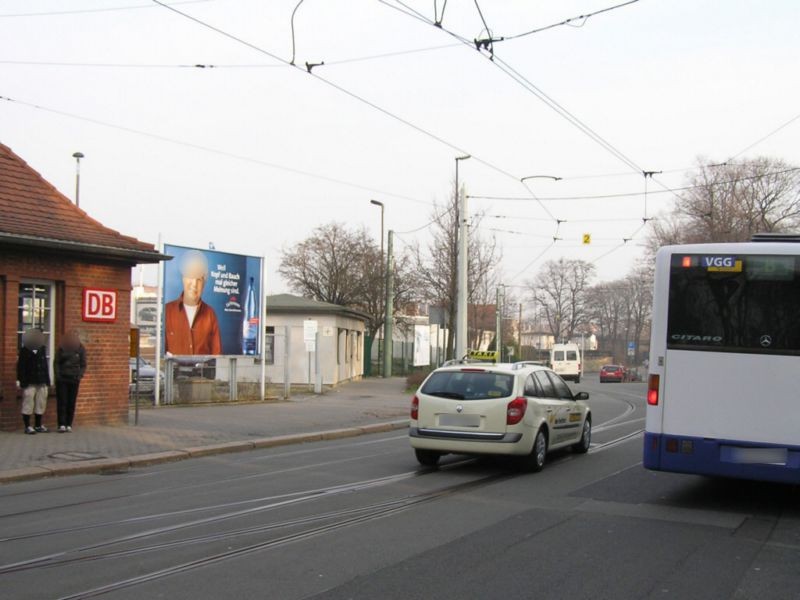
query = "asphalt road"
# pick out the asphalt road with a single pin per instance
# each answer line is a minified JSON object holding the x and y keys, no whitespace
{"x":357,"y":518}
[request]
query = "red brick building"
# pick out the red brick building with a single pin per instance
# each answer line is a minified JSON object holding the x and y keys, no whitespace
{"x":51,"y":253}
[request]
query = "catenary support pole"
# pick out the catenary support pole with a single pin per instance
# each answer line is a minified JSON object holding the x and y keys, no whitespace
{"x":387,"y":322}
{"x":498,"y":325}
{"x":462,"y":291}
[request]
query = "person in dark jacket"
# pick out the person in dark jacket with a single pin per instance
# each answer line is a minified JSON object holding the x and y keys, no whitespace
{"x":33,"y":376}
{"x":69,"y":365}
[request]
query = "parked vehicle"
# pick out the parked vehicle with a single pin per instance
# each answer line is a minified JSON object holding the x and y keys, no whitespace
{"x":146,"y":375}
{"x":565,"y":360}
{"x":614,"y":373}
{"x":724,"y":346}
{"x":519,"y":410}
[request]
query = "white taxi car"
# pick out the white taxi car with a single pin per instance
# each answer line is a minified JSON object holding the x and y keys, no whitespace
{"x":518,"y":409}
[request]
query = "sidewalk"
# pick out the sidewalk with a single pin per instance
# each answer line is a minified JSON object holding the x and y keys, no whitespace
{"x":178,"y":432}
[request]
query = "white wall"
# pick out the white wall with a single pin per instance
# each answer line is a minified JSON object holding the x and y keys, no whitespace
{"x":335,"y":367}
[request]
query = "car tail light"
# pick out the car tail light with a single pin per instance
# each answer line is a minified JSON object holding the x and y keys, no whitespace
{"x":415,"y":408}
{"x":473,"y":370}
{"x":516,"y":410}
{"x":652,"y":389}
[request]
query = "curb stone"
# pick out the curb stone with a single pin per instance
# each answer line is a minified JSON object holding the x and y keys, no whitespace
{"x":140,"y":460}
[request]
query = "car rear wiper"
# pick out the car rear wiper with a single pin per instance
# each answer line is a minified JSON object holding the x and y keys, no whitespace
{"x":453,"y":395}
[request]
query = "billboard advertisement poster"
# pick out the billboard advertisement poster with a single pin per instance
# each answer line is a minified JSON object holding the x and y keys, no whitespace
{"x":422,"y":345}
{"x":211,"y":302}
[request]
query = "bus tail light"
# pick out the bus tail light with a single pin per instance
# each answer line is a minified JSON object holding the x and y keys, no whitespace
{"x":516,"y":410}
{"x":652,"y":389}
{"x":415,"y":408}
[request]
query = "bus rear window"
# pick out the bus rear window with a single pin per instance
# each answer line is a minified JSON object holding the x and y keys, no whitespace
{"x":734,"y":304}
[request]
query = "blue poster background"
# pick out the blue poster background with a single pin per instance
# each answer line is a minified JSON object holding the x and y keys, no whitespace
{"x":227,"y":286}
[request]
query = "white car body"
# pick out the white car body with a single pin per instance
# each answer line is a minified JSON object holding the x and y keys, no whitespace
{"x":565,"y":360}
{"x":468,"y":411}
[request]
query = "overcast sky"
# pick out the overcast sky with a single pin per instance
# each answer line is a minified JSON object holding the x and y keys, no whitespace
{"x":231,"y":152}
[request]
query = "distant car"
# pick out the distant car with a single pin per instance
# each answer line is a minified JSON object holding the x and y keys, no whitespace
{"x":146,"y":375}
{"x":613,"y":374}
{"x":519,"y":410}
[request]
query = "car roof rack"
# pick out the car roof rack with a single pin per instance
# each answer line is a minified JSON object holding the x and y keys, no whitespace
{"x":776,"y":237}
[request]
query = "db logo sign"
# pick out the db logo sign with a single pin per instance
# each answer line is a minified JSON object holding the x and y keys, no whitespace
{"x":99,"y":305}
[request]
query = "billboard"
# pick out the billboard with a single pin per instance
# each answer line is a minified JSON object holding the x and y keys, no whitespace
{"x":212,"y":302}
{"x":422,"y":345}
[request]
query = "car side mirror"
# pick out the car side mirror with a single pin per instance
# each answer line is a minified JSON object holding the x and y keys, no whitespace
{"x":581,"y":396}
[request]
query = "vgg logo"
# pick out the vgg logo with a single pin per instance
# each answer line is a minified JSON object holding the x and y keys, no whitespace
{"x":719,"y":261}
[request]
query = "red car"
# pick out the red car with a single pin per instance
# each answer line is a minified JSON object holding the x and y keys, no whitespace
{"x":613,"y":373}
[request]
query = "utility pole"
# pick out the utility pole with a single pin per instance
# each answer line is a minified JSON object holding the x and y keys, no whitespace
{"x":461,"y":286}
{"x":383,"y":276}
{"x":498,"y":324}
{"x":387,"y":323}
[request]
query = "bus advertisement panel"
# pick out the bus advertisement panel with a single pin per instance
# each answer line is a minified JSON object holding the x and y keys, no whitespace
{"x":212,"y":302}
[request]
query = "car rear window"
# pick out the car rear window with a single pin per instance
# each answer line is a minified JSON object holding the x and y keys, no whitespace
{"x":558,"y":355}
{"x":572,"y":355}
{"x":469,"y":385}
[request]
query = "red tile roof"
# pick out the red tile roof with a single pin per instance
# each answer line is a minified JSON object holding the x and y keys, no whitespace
{"x":31,"y":208}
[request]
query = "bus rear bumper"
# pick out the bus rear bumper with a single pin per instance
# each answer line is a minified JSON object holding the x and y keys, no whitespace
{"x":724,"y":458}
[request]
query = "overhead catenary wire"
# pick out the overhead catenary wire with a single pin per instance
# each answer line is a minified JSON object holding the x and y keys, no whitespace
{"x":633,"y":194}
{"x":339,"y":88}
{"x":77,"y":11}
{"x":765,"y":137}
{"x":206,"y":65}
{"x":209,"y":149}
{"x":569,"y":21}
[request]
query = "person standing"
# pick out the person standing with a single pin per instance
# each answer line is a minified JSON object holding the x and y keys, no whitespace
{"x":33,"y":376}
{"x":69,"y":365}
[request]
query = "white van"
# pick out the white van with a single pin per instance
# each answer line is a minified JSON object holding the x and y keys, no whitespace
{"x":565,"y":359}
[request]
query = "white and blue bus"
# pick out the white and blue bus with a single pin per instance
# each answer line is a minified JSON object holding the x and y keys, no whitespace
{"x":724,"y":387}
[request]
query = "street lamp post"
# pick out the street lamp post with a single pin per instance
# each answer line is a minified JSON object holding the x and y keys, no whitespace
{"x":77,"y":156}
{"x":461,"y":285}
{"x":383,"y":274}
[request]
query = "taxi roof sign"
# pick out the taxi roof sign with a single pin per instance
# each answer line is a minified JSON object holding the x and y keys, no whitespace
{"x":484,"y":354}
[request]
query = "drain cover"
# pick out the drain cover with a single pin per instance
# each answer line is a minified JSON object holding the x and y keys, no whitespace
{"x":75,"y":456}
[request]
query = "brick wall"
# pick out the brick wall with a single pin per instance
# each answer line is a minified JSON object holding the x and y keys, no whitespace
{"x":103,"y":396}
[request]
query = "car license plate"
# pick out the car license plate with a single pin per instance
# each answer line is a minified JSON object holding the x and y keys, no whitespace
{"x":447,"y":420}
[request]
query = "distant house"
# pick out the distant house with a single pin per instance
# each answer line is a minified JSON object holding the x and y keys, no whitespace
{"x":61,"y":270}
{"x":541,"y":340}
{"x":341,"y":340}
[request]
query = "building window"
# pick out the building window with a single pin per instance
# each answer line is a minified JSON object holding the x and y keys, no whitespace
{"x":35,"y":309}
{"x":269,"y":346}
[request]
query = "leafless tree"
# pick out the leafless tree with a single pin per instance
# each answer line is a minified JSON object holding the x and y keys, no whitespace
{"x":620,"y":309}
{"x":559,"y":290}
{"x":731,"y":202}
{"x":343,"y":266}
{"x":434,"y":264}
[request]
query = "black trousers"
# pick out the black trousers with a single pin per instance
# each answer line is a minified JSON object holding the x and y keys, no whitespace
{"x":66,"y":395}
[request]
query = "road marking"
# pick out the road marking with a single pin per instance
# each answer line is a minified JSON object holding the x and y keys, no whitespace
{"x":607,"y":427}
